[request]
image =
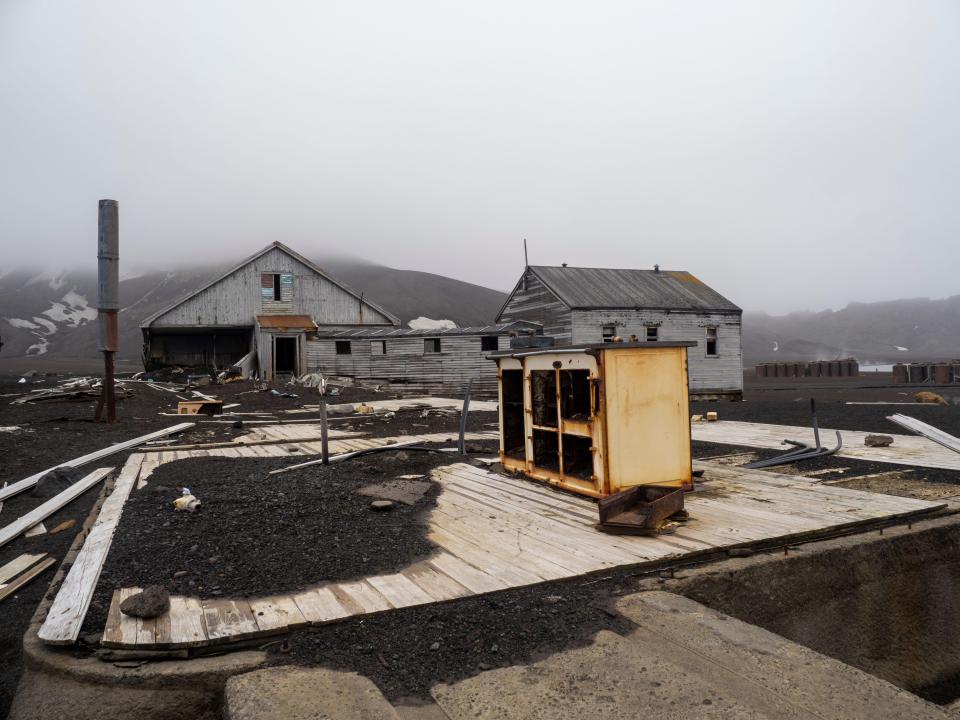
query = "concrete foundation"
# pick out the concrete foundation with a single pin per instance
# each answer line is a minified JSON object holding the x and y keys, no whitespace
{"x":885,"y":604}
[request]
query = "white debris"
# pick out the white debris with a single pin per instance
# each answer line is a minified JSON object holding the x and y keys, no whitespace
{"x":10,"y":428}
{"x":425,"y":323}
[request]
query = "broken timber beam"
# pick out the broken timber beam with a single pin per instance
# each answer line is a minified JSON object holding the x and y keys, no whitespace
{"x":928,"y":431}
{"x":45,"y":510}
{"x":27,"y":483}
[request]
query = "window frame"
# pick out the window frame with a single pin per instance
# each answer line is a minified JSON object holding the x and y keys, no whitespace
{"x":437,"y":346}
{"x":708,"y":340}
{"x":603,"y":332}
{"x":486,"y":340}
{"x":656,"y":333}
{"x":339,"y":345}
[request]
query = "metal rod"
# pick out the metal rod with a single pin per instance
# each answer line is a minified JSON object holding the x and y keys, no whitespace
{"x":108,"y":301}
{"x":461,"y":445}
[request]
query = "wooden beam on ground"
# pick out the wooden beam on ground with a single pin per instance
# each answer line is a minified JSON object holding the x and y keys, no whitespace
{"x":20,"y":581}
{"x":928,"y":431}
{"x":65,"y":616}
{"x":45,"y":510}
{"x":27,"y":483}
{"x":18,"y":565}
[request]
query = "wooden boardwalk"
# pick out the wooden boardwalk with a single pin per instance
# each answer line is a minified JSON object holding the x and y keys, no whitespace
{"x":276,"y":446}
{"x":494,"y":532}
{"x":906,"y":449}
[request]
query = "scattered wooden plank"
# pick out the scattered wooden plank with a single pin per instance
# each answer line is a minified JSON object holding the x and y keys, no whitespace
{"x":45,"y":510}
{"x":277,"y":613}
{"x":27,"y":483}
{"x":18,"y":565}
{"x":928,"y":431}
{"x":38,"y":529}
{"x":229,"y":619}
{"x":21,"y":580}
{"x":69,"y":607}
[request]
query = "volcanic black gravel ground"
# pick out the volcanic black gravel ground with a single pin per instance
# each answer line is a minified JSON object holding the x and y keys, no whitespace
{"x":256,"y":534}
{"x":836,"y":415}
{"x":406,"y":651}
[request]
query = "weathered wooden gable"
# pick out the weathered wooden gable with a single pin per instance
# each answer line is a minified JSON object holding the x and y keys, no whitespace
{"x":532,"y":300}
{"x":234,"y":300}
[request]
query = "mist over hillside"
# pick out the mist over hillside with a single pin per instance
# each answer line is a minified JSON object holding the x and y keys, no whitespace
{"x":54,"y":314}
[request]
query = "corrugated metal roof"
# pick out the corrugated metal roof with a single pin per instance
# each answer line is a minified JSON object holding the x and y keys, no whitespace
{"x":286,"y":322}
{"x":384,"y":333}
{"x":612,"y":288}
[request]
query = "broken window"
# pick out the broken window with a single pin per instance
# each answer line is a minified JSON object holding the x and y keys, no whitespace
{"x":378,"y":347}
{"x":711,"y":342}
{"x":653,"y":333}
{"x":578,"y":457}
{"x":489,"y":343}
{"x":575,"y":394}
{"x":546,"y":450}
{"x":543,"y":389}
{"x":276,"y":286}
{"x":609,"y":332}
{"x":431,"y":345}
{"x":512,"y":398}
{"x":343,"y":347}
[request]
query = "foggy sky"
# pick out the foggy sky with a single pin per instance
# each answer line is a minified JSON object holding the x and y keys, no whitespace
{"x":794,"y":155}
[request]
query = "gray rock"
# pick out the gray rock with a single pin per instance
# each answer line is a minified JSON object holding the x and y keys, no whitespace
{"x":153,"y":601}
{"x":381,"y":505}
{"x":878,"y":441}
{"x":55,"y":482}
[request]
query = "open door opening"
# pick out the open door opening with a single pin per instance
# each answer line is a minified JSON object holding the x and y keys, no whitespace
{"x":285,"y":355}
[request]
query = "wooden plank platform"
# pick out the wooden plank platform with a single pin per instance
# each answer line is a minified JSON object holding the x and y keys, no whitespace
{"x":906,"y":449}
{"x":495,"y":532}
{"x":288,"y":446}
{"x":388,"y":405}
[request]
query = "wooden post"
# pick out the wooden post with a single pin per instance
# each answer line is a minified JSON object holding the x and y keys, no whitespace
{"x":324,"y":452}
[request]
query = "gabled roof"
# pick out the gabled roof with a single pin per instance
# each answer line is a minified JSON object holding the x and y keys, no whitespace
{"x":296,"y":256}
{"x":607,"y":288}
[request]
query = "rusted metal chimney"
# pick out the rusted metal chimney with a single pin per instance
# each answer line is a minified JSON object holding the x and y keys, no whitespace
{"x":108,"y":301}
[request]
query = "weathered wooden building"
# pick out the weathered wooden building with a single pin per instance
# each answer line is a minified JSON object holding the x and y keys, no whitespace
{"x":416,"y":361}
{"x":591,"y":305}
{"x":257,"y":314}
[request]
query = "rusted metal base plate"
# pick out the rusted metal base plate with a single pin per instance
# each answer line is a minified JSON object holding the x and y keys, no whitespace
{"x":642,"y":509}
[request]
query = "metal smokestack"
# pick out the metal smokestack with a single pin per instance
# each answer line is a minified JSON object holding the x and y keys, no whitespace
{"x":108,"y":300}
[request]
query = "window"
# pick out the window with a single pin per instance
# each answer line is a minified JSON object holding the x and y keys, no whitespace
{"x":609,"y":332}
{"x":378,"y":347}
{"x":489,"y":343}
{"x":653,"y":333}
{"x":431,"y":345}
{"x":711,"y":342}
{"x":343,"y":347}
{"x":274,"y":286}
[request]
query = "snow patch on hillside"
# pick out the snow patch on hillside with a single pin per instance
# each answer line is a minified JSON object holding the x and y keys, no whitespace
{"x":425,"y":323}
{"x":38,"y":348}
{"x":22,"y":324}
{"x":902,"y":349}
{"x":74,"y":310}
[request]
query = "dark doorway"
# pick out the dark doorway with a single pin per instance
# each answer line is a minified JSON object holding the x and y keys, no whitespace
{"x":285,"y":355}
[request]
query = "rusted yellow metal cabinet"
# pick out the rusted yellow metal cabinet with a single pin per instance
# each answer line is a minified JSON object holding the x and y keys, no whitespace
{"x":596,"y":419}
